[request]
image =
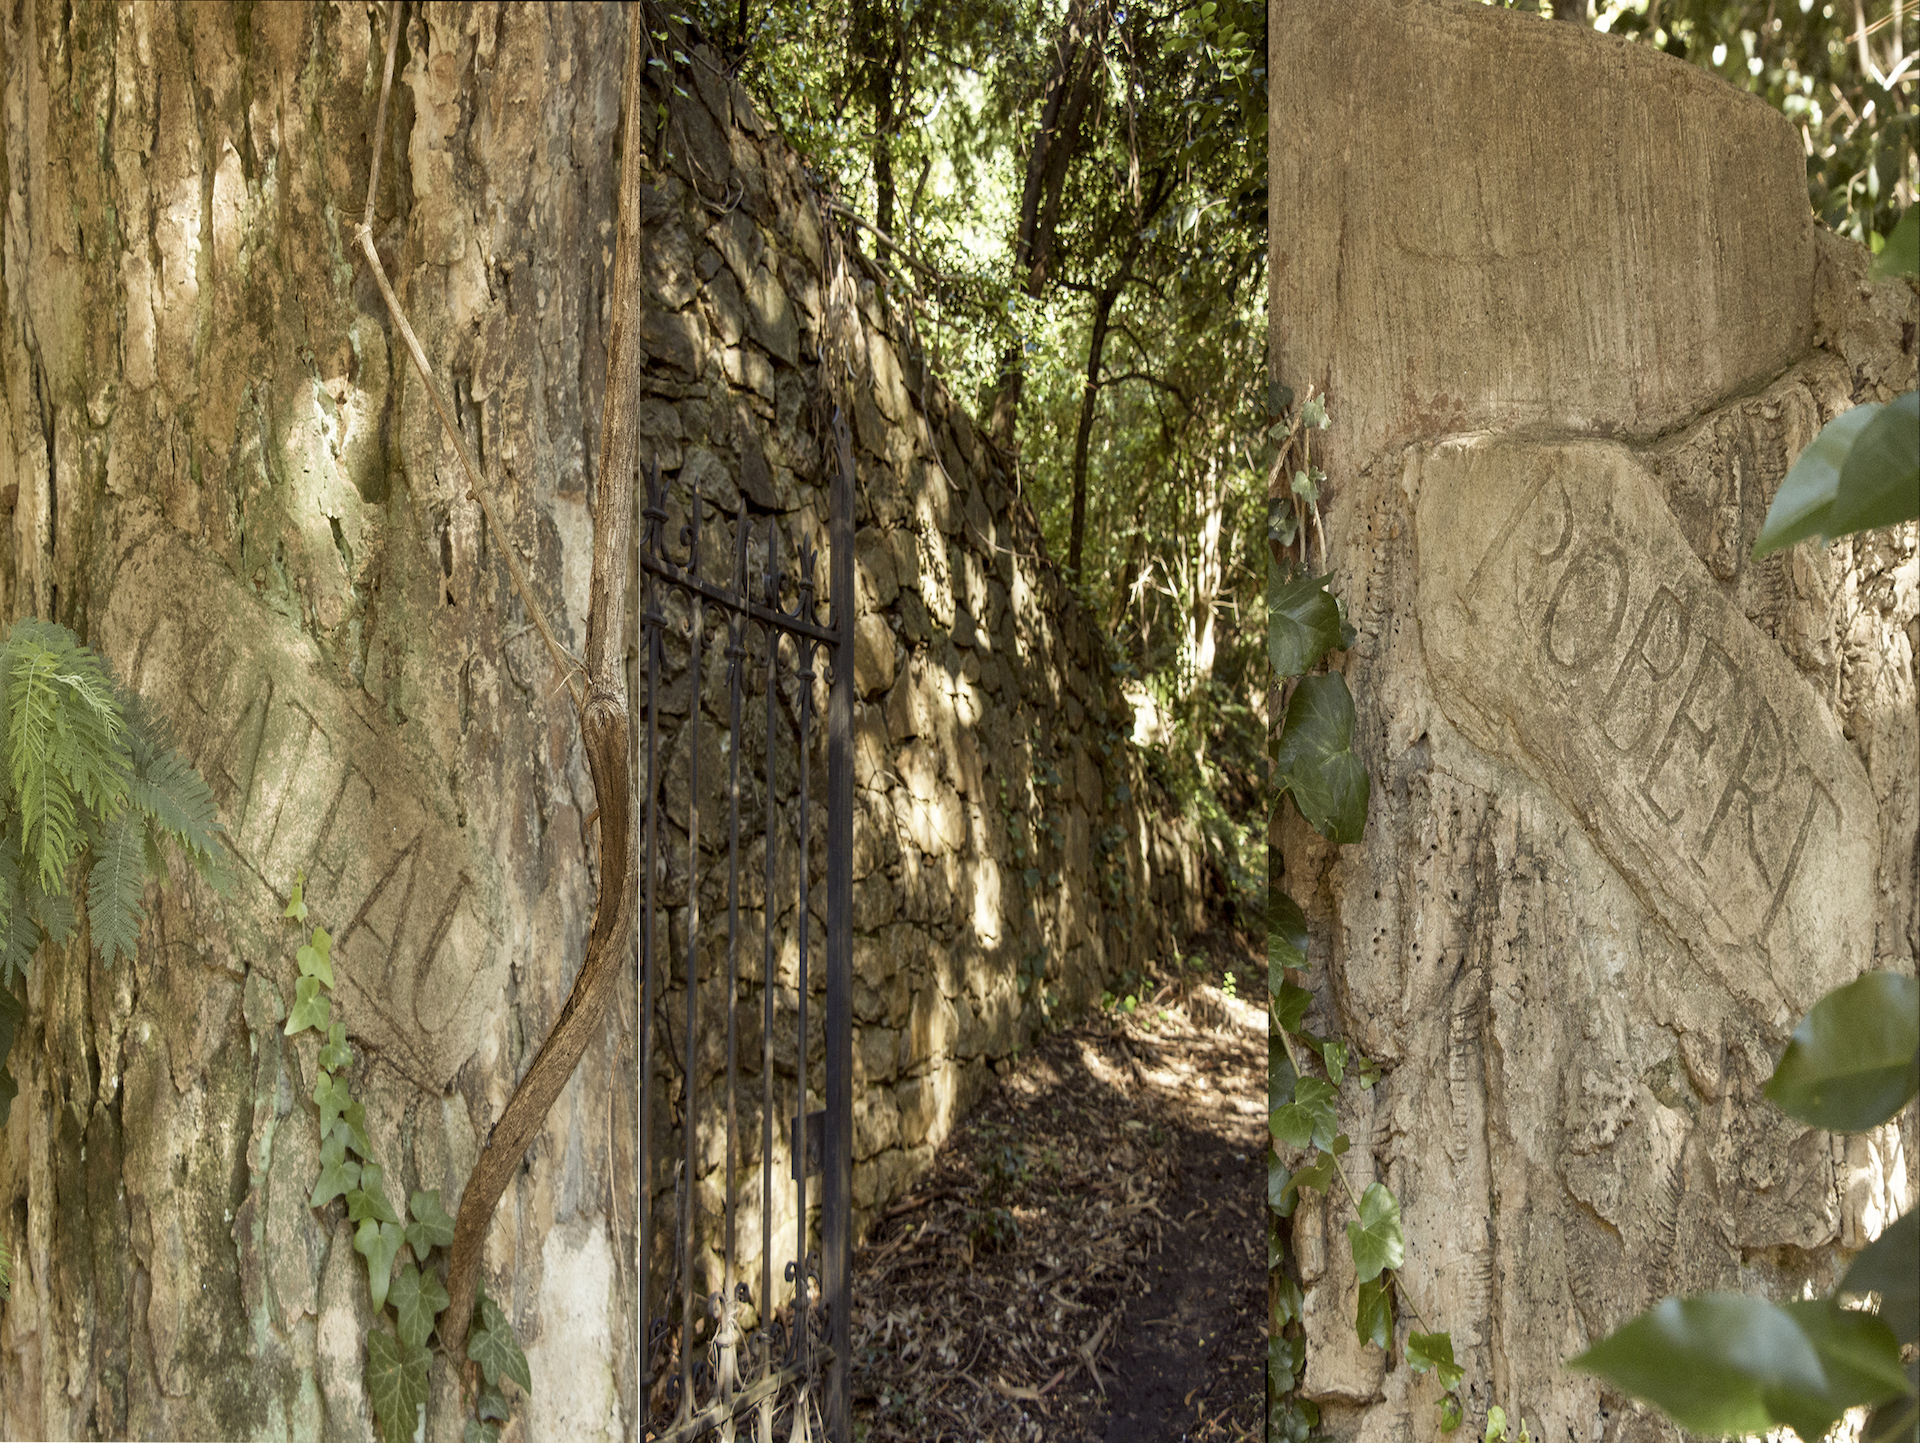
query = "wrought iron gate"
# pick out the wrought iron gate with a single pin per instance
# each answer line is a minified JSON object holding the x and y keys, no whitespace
{"x":733,"y":1356}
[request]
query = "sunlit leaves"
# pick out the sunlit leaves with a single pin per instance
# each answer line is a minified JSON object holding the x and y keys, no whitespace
{"x":1375,"y":1235}
{"x":1316,"y":762}
{"x":1854,"y":1060}
{"x":1860,"y":471}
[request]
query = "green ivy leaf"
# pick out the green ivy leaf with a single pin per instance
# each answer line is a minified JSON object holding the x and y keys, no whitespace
{"x":1289,"y":1304}
{"x":1434,"y":1351}
{"x":1854,"y":1060}
{"x":315,"y":963}
{"x":330,"y":1094}
{"x":1800,"y":507}
{"x":431,"y":1224}
{"x":379,"y":1243}
{"x":1374,"y":1319}
{"x":354,"y":1119}
{"x":1334,"y":1054}
{"x":1890,"y":1266}
{"x":311,"y":1007}
{"x":1317,"y":1175}
{"x":369,"y":1200}
{"x":1309,"y":1119}
{"x":1449,"y":1413}
{"x":296,"y":907}
{"x":1284,"y":1359}
{"x":1303,"y":621}
{"x":1286,"y":936}
{"x":1496,"y":1425}
{"x":336,"y":1055}
{"x":492,"y":1346}
{"x":492,"y":1405}
{"x":1711,"y":1363}
{"x":418,"y":1298}
{"x":1316,"y":761}
{"x":396,"y":1382}
{"x":477,"y":1432}
{"x":337,"y":1175}
{"x":1375,"y":1235}
{"x":1290,"y":1004}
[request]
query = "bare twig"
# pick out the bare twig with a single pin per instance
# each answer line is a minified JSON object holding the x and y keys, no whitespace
{"x":481,"y":492}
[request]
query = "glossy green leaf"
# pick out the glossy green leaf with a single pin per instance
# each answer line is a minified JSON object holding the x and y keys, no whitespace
{"x":1434,"y":1352}
{"x":1880,"y":482}
{"x":1859,"y":1355}
{"x":396,"y":1383}
{"x":1800,"y":507}
{"x":1375,"y":1235}
{"x":1334,"y":1054}
{"x":1711,"y":1363}
{"x":1890,"y":1266}
{"x":1854,"y":1060}
{"x":418,"y":1298}
{"x":431,"y":1225}
{"x":311,"y":1007}
{"x":1290,"y":1003}
{"x":379,"y":1243}
{"x":1316,"y":762}
{"x":1373,"y":1319}
{"x":491,"y":1344}
{"x":1303,"y":622}
{"x":1308,"y":1119}
{"x":1286,"y":936}
{"x":1317,"y":1175}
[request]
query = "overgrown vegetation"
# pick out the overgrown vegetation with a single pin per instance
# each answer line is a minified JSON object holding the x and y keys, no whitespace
{"x":90,"y":789}
{"x":1067,"y":202}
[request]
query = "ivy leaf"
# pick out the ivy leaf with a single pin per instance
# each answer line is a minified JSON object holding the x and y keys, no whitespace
{"x":1303,"y":621}
{"x":430,"y":1226}
{"x":1374,"y":1319}
{"x":1309,"y":1118}
{"x":1890,"y":1266}
{"x":1375,"y":1235}
{"x":311,"y":1007}
{"x":1496,"y":1425}
{"x":1290,"y":1002}
{"x":296,"y":907}
{"x":1449,"y":1413}
{"x":1286,"y":936}
{"x":1334,"y":1053}
{"x":1289,"y":1304}
{"x":1854,"y":1060}
{"x":1429,"y":1351}
{"x":379,"y":1243}
{"x":418,"y":1298}
{"x":337,"y":1174}
{"x":331,"y":1096}
{"x":336,"y":1054}
{"x":396,"y":1382}
{"x":1316,"y":762}
{"x":492,"y":1405}
{"x":369,"y":1201}
{"x":477,"y":1432}
{"x":315,"y":963}
{"x":1318,"y":1176}
{"x":354,"y":1120}
{"x":492,"y":1346}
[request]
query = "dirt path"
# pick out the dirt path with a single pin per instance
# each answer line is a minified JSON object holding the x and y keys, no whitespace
{"x":1083,"y":1262}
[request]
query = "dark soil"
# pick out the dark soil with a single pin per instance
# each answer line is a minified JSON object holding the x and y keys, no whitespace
{"x":1084,"y":1261}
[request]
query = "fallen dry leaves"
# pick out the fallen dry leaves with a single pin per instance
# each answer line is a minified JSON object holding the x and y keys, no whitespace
{"x":1083,"y":1262}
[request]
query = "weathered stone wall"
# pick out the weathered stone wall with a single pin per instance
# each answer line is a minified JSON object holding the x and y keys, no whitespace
{"x":219,"y":467}
{"x":1638,"y":800}
{"x":1009,"y":856}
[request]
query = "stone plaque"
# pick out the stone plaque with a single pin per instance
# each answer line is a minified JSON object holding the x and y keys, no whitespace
{"x":1569,"y":628}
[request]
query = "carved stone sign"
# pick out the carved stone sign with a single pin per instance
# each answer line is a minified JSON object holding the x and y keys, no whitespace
{"x":309,"y":779}
{"x":1568,"y":627}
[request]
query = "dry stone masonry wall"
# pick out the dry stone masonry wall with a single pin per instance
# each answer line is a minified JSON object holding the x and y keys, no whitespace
{"x":1638,"y":800}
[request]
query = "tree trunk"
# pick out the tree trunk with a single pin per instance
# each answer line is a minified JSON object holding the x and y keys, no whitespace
{"x":1637,"y":801}
{"x":226,"y":478}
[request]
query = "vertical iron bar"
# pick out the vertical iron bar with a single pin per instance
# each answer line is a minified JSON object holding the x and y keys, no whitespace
{"x":690,"y":1063}
{"x":736,"y":660}
{"x":655,"y":516}
{"x":836,"y":1267}
{"x":768,"y":904}
{"x":805,"y":677}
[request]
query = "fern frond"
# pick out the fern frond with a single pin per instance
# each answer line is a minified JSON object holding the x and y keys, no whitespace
{"x":114,"y":886}
{"x":53,"y":910}
{"x":49,"y":834}
{"x":173,"y":794}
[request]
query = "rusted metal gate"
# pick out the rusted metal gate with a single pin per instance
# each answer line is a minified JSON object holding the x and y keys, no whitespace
{"x":748,"y":1350}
